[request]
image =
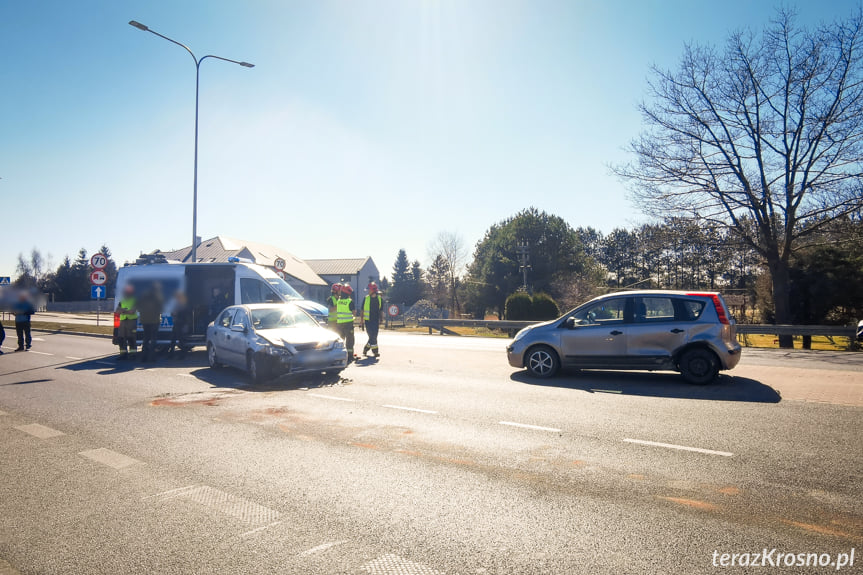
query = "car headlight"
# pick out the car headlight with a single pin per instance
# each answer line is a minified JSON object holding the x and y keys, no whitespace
{"x":520,"y":334}
{"x":276,"y":351}
{"x":325,"y":345}
{"x":339,"y":344}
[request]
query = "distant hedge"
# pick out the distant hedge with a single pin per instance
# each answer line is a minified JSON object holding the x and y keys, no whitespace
{"x":521,"y":307}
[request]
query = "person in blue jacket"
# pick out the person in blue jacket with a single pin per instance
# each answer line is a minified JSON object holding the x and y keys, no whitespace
{"x":23,"y":310}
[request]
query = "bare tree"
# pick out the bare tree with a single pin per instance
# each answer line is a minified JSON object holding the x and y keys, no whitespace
{"x":450,"y":246}
{"x":764,"y":138}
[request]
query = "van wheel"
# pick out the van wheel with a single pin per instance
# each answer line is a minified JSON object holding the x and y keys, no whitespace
{"x":542,"y":361}
{"x":257,"y":372}
{"x":699,"y":366}
{"x":212,"y":360}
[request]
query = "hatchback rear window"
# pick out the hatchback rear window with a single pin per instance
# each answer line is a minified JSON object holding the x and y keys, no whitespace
{"x":692,"y":309}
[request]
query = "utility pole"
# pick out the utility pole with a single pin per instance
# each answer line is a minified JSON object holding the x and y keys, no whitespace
{"x":523,"y":251}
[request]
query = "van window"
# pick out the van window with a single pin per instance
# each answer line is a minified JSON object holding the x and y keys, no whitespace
{"x":257,"y":291}
{"x":226,"y":318}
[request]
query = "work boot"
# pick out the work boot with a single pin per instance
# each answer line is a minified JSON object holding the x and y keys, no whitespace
{"x":19,"y":348}
{"x":366,"y":349}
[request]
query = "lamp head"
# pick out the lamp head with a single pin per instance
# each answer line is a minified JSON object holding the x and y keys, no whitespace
{"x":138,"y":25}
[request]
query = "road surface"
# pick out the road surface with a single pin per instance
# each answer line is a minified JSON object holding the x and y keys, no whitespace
{"x":439,"y":458}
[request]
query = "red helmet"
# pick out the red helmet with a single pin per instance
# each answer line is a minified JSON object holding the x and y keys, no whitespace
{"x":347,"y":289}
{"x":336,"y":288}
{"x":373,"y":288}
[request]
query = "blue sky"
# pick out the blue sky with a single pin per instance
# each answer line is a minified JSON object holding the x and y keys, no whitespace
{"x":366,"y":126}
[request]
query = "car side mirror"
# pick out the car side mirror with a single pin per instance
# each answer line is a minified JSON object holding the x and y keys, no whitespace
{"x":238,"y":327}
{"x":570,"y":323}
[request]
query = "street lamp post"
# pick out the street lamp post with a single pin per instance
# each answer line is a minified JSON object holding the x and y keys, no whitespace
{"x":140,"y":26}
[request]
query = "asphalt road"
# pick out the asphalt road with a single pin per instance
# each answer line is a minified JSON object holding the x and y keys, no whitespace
{"x":439,"y":458}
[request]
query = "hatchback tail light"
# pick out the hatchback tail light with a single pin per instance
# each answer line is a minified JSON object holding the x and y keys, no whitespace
{"x":721,"y":312}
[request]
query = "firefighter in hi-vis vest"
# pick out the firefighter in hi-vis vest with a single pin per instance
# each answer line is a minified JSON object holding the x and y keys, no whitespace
{"x":127,"y":337}
{"x":332,"y":304}
{"x":373,"y":311}
{"x":345,"y":319}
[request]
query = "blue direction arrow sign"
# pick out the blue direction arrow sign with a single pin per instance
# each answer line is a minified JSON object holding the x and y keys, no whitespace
{"x":5,"y":281}
{"x":97,"y":292}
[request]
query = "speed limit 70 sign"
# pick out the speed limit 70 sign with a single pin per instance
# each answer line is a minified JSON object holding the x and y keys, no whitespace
{"x":99,"y":261}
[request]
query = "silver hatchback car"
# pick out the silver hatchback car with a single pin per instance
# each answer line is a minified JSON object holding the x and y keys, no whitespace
{"x":688,"y":332}
{"x":269,"y":340}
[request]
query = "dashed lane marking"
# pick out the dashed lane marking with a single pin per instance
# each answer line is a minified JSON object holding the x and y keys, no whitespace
{"x":169,"y":493}
{"x":73,"y":357}
{"x":237,"y":507}
{"x":40,"y":352}
{"x":392,"y":564}
{"x":39,"y":431}
{"x":322,"y":396}
{"x":418,"y":410}
{"x":109,"y":458}
{"x":606,"y":391}
{"x":319,"y":548}
{"x":253,"y":531}
{"x":529,"y":426}
{"x":678,"y":447}
{"x":105,"y":363}
{"x":185,"y":375}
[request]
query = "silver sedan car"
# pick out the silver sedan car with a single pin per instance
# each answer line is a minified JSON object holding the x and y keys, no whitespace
{"x":270,"y":340}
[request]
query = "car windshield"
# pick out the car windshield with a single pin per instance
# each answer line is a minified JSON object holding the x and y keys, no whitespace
{"x":281,"y":317}
{"x":284,"y":289}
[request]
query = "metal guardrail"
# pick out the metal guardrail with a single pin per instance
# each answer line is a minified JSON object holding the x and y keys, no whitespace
{"x":442,"y":324}
{"x":825,"y":330}
{"x":754,"y":329}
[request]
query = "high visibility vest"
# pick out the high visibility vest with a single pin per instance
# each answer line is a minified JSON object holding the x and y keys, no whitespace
{"x":128,"y":304}
{"x":367,"y":307}
{"x":332,"y":303}
{"x":343,"y":311}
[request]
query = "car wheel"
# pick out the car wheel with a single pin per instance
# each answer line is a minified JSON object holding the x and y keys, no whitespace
{"x":699,"y":366}
{"x":542,"y":361}
{"x":257,"y":372}
{"x":212,"y":360}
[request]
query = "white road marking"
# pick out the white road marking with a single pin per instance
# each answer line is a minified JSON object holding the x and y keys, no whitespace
{"x":170,"y":493}
{"x":109,"y":458}
{"x":105,"y":363}
{"x":73,"y":357}
{"x":529,"y":426}
{"x":606,"y":391}
{"x":392,"y":563}
{"x":679,"y":447}
{"x":322,"y":396}
{"x":253,"y":531}
{"x":39,"y":431}
{"x":224,"y":502}
{"x":185,"y":375}
{"x":39,"y":352}
{"x":37,"y":339}
{"x":410,"y":409}
{"x":319,"y":548}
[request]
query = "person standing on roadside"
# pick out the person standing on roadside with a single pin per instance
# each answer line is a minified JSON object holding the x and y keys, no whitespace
{"x":373,"y":311}
{"x":23,"y":310}
{"x":150,"y":309}
{"x":2,"y":336}
{"x":345,"y":319}
{"x":127,"y":336}
{"x":180,"y":318}
{"x":332,"y":305}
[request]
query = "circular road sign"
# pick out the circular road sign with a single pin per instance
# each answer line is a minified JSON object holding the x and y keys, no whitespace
{"x":393,"y":310}
{"x":281,"y":274}
{"x":98,"y":261}
{"x":98,"y":278}
{"x":279,"y":264}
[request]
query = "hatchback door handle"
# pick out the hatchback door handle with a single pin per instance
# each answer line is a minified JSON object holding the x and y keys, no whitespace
{"x":677,"y":330}
{"x":615,"y":332}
